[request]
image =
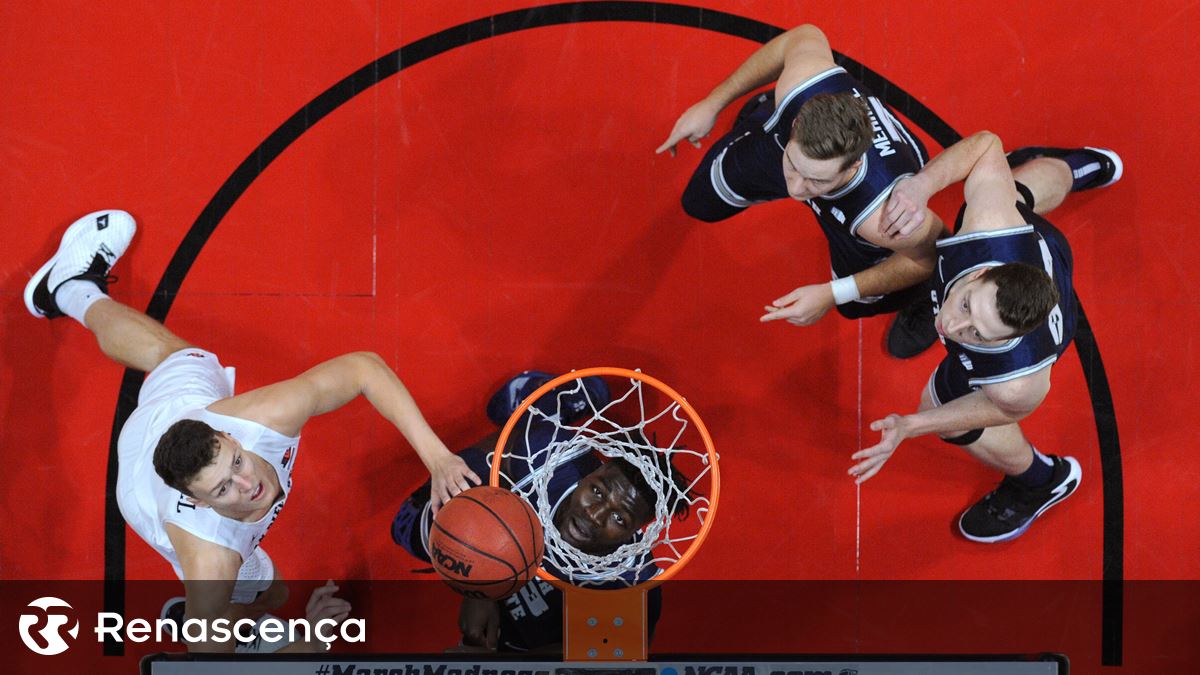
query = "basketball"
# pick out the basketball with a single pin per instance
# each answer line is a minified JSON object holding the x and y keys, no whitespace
{"x":486,"y":542}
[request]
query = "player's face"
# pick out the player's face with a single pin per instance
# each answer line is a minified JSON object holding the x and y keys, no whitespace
{"x":234,"y":483}
{"x":808,"y":178}
{"x":969,"y":315}
{"x":603,"y":512}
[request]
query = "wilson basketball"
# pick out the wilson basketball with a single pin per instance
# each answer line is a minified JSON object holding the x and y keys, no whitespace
{"x":486,"y":542}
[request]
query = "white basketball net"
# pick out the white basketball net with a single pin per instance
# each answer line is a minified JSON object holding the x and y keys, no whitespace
{"x":675,"y":473}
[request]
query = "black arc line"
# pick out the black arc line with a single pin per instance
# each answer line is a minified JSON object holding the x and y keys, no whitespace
{"x":554,"y":15}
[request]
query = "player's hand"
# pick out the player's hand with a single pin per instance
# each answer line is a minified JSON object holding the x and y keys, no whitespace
{"x":695,"y":123}
{"x":450,"y":475}
{"x":905,"y":209}
{"x":322,"y":604}
{"x":479,"y":622}
{"x":895,"y":430}
{"x":802,"y":307}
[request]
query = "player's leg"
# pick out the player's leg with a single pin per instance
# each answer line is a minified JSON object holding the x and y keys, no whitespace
{"x":735,"y":173}
{"x":1033,"y":482}
{"x":129,"y":337}
{"x":1049,"y":174}
{"x":74,"y":283}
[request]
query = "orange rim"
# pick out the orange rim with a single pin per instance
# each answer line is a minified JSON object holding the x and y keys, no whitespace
{"x":714,"y":472}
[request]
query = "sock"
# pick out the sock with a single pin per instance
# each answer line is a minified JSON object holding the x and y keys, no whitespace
{"x":1086,"y":169}
{"x":1039,"y":473}
{"x":74,"y":297}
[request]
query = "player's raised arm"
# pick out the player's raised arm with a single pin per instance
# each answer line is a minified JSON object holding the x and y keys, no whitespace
{"x":286,"y":406}
{"x":788,"y":58}
{"x":992,"y":406}
{"x":989,"y":190}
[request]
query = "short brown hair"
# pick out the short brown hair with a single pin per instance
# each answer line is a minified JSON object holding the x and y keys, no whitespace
{"x":186,"y":448}
{"x":1024,"y":295}
{"x":833,"y":126}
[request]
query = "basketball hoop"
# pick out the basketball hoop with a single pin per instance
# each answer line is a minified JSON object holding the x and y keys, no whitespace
{"x":657,"y":433}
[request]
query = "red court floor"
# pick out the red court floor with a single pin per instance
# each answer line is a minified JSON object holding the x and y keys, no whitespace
{"x":498,"y":206}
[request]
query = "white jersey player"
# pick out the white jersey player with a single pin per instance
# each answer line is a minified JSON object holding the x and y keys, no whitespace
{"x":204,"y":473}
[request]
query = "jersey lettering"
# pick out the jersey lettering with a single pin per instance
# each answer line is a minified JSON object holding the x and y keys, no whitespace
{"x":1055,"y":321}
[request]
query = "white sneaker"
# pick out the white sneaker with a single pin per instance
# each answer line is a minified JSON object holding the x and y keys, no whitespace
{"x":89,"y":249}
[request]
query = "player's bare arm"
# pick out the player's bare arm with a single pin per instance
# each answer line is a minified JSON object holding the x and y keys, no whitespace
{"x":287,"y":406}
{"x":989,"y":190}
{"x":991,"y":406}
{"x":912,"y":263}
{"x":788,"y":59}
{"x":209,"y":574}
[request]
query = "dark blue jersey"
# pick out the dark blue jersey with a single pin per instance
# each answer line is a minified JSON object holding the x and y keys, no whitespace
{"x":532,"y":617}
{"x":1036,"y":243}
{"x":894,"y":154}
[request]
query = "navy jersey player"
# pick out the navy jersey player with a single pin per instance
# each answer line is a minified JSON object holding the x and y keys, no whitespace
{"x":1006,"y":311}
{"x":599,"y":507}
{"x":203,"y":473}
{"x":822,"y":138}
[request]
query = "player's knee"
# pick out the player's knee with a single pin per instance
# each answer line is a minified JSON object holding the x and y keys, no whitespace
{"x":965,"y":438}
{"x":167,"y":347}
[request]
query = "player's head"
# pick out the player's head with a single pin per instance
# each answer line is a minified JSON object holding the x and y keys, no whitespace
{"x":995,"y":304}
{"x":608,"y":507}
{"x":212,"y":468}
{"x":829,"y":137}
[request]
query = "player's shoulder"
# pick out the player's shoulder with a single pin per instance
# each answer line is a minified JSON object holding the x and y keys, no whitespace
{"x":1020,"y":392}
{"x":807,"y":55}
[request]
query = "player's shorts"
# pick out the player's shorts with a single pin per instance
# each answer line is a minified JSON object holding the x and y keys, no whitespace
{"x":948,"y":382}
{"x":186,"y":380}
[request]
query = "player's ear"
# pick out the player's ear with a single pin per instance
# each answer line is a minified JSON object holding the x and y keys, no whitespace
{"x":196,"y":502}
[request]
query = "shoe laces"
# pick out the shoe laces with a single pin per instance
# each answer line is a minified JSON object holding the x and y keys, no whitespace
{"x":1007,"y":499}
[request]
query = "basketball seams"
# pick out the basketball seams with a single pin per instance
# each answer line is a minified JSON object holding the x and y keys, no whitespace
{"x":457,"y":540}
{"x":493,"y":500}
{"x":525,"y":560}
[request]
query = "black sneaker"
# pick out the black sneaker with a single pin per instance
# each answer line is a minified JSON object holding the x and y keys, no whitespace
{"x":1107,"y":166}
{"x":1006,"y":512}
{"x":912,"y":330}
{"x":174,"y":610}
{"x":89,"y":249}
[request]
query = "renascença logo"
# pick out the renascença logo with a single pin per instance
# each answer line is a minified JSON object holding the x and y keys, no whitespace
{"x":51,"y":633}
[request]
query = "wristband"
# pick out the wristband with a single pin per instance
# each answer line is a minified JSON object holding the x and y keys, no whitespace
{"x":844,"y":290}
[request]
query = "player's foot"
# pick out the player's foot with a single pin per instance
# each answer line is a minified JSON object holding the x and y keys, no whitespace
{"x":174,"y":609}
{"x":508,"y":398}
{"x":89,"y":249}
{"x":912,"y":330}
{"x":1006,"y":512}
{"x":567,"y":401}
{"x":576,"y":397}
{"x":1090,"y":167}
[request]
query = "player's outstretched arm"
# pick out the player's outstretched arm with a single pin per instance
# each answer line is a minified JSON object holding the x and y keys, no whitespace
{"x":789,"y":58}
{"x":992,"y":406}
{"x":989,"y":190}
{"x":286,"y":406}
{"x":209,"y":573}
{"x":912,"y":264}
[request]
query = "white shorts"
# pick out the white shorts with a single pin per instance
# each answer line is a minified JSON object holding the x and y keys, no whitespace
{"x":186,"y":380}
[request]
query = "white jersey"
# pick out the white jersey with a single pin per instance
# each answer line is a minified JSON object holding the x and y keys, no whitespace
{"x":181,"y":388}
